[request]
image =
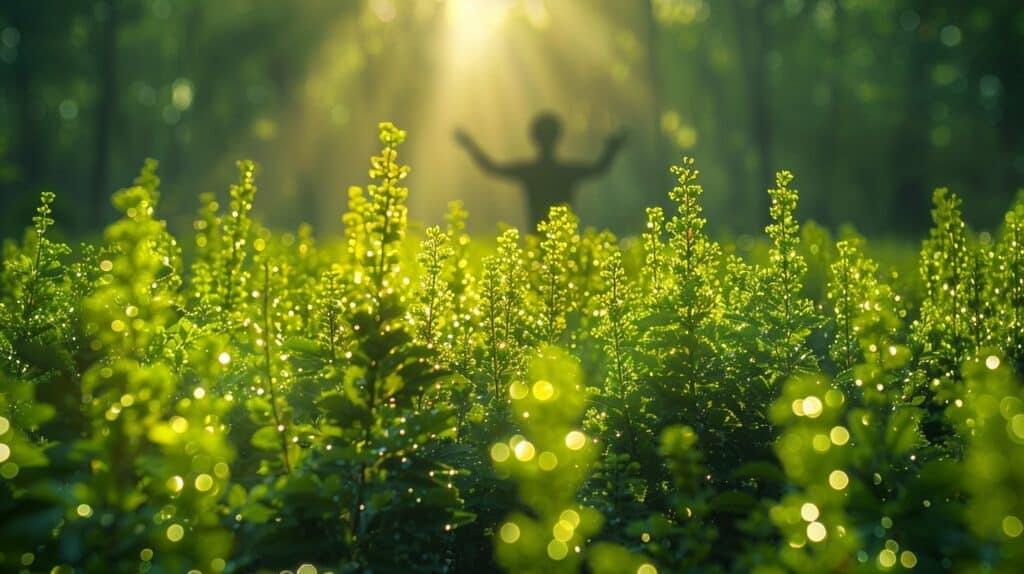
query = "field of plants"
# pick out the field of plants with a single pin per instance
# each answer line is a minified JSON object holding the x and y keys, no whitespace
{"x":248,"y":400}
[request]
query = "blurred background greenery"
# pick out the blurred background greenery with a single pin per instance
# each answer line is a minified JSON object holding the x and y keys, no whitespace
{"x":872,"y":103}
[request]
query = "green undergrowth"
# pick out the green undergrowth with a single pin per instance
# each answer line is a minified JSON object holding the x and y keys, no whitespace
{"x":557,"y":401}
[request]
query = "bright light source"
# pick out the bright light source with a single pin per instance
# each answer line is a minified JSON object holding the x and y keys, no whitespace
{"x":473,"y":23}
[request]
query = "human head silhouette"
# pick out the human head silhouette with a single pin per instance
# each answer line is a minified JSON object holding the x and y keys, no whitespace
{"x":546,"y":131}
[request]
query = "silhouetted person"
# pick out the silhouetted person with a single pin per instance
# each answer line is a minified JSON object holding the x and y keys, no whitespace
{"x":546,"y":180}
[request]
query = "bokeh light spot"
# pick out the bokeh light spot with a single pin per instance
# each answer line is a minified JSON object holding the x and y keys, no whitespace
{"x":543,"y":390}
{"x":575,"y":440}
{"x":821,"y":443}
{"x":179,"y":425}
{"x":557,"y":550}
{"x":812,"y":407}
{"x":509,"y":532}
{"x":563,"y":531}
{"x":547,"y":461}
{"x":1012,"y":526}
{"x":518,"y":390}
{"x":175,"y":532}
{"x":570,"y":516}
{"x":221,"y":469}
{"x":1017,"y":425}
{"x":839,"y":435}
{"x":204,"y":482}
{"x":500,"y":452}
{"x":9,"y":470}
{"x":816,"y":532}
{"x":175,"y":484}
{"x":525,"y":451}
{"x":809,"y":512}
{"x":838,"y":479}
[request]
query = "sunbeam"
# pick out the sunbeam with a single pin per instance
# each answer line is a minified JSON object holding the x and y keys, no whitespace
{"x":504,"y":61}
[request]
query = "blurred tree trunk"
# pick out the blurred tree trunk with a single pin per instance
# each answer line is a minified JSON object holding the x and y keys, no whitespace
{"x":188,"y":62}
{"x":836,"y":208}
{"x":29,"y":152}
{"x":656,"y":84}
{"x":911,"y":147}
{"x":754,"y":43}
{"x":106,"y":18}
{"x":731,"y":162}
{"x":1007,"y":40}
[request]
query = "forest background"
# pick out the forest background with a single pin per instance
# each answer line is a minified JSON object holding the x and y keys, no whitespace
{"x":872,"y":102}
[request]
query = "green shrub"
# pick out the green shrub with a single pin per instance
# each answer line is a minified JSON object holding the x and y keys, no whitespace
{"x":549,"y":402}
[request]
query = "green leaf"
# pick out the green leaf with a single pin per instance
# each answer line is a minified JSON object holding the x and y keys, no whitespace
{"x":267,"y":438}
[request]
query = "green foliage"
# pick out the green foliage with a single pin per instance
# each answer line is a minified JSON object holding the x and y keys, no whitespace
{"x":383,"y":214}
{"x":555,"y":403}
{"x":853,"y":284}
{"x":154,"y":463}
{"x":993,"y":421}
{"x":619,"y":403}
{"x":1006,"y":286}
{"x":548,"y":464}
{"x":789,"y":317}
{"x":679,"y":324}
{"x":949,"y":326}
{"x":434,"y":297}
{"x":552,"y":266}
{"x":651,"y":243}
{"x":503,"y":325}
{"x":35,"y":306}
{"x":235,"y":230}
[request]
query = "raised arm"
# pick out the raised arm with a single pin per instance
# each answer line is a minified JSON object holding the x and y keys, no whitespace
{"x":612,"y":145}
{"x":482,"y":160}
